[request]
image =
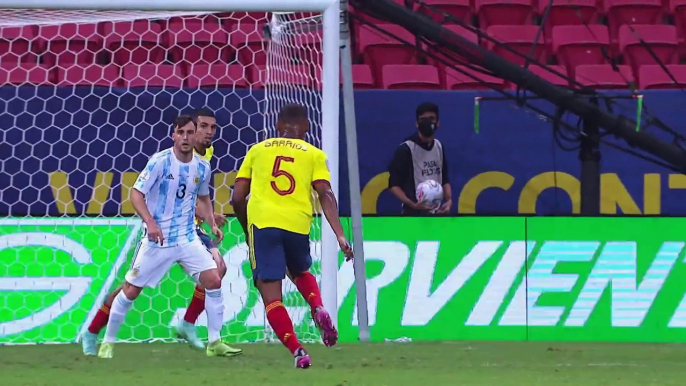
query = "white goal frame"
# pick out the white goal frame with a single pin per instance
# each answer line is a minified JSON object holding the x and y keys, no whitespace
{"x":330,"y":10}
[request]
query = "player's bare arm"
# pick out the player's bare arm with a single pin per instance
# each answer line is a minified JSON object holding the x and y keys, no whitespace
{"x":241,"y":190}
{"x":206,"y":213}
{"x":154,"y":232}
{"x":330,"y":209}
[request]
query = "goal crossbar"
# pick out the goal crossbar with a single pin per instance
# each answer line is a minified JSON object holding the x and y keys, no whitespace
{"x":177,"y":5}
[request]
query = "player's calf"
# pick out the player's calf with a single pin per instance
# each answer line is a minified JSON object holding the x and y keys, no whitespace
{"x":120,"y":307}
{"x":89,"y":339}
{"x":277,"y":315}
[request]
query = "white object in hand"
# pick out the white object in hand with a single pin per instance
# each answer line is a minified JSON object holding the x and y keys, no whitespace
{"x":431,"y":193}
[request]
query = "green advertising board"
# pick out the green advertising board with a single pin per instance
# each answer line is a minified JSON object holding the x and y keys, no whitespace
{"x":485,"y":278}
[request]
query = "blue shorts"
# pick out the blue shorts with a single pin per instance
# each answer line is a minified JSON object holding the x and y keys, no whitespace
{"x":274,"y":250}
{"x":205,"y":239}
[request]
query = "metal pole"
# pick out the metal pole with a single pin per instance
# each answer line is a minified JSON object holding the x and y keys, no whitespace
{"x":353,"y":175}
{"x":589,"y":155}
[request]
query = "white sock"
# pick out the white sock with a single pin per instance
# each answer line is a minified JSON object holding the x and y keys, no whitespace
{"x":120,"y":306}
{"x":214,"y":307}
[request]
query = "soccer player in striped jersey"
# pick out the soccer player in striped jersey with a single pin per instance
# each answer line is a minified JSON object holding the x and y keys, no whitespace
{"x":165,"y":197}
{"x":206,"y":124}
{"x":206,"y":128}
{"x":279,"y":175}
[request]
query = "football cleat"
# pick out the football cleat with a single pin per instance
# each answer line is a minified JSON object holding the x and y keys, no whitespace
{"x":221,"y":349}
{"x":186,"y":331}
{"x":89,"y":342}
{"x":323,"y":320}
{"x":302,"y":360}
{"x":106,"y":350}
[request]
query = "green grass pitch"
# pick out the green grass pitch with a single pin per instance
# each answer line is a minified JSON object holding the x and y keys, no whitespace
{"x":375,"y":364}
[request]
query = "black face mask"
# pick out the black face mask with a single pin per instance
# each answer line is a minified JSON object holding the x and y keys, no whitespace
{"x":426,"y":128}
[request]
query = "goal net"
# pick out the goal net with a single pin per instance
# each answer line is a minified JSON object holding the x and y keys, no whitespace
{"x":86,"y":98}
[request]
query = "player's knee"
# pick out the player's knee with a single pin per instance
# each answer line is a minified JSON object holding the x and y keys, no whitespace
{"x":131,"y":291}
{"x":210,"y":279}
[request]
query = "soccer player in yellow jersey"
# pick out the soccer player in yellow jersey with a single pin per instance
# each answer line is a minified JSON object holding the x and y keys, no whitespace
{"x":279,"y":174}
{"x":206,"y":126}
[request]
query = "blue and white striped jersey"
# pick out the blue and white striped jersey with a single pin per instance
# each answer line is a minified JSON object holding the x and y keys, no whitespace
{"x":171,"y":188}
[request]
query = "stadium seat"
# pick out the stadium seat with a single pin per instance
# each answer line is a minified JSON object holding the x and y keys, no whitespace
{"x":70,"y":43}
{"x":410,"y":77}
{"x":379,"y":49}
{"x":569,"y":12}
{"x":574,"y":45}
{"x":15,"y":45}
{"x":89,"y":75}
{"x":654,"y":77}
{"x":441,"y":53}
{"x":549,"y":76}
{"x":250,"y":45}
{"x":217,"y":75}
{"x":153,"y":75}
{"x":458,"y":9}
{"x":519,"y":38}
{"x":135,"y":42}
{"x":456,"y":80}
{"x":362,"y":77}
{"x":504,"y":12}
{"x":661,"y":39}
{"x":195,"y":41}
{"x":621,"y":12}
{"x":603,"y":76}
{"x":24,"y":73}
{"x":292,"y":75}
{"x":678,"y":8}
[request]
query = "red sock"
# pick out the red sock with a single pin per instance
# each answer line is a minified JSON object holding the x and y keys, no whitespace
{"x":196,"y":307}
{"x":100,"y":320}
{"x":281,"y":324}
{"x":307,"y":285}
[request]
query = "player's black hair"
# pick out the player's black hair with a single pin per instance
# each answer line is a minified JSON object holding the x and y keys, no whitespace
{"x":292,"y":112}
{"x":203,"y":112}
{"x":427,"y":107}
{"x":183,"y":120}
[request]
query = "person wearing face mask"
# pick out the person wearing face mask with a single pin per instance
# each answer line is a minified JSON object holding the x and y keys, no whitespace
{"x":420,"y":158}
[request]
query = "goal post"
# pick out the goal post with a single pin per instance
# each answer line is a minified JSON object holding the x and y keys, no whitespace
{"x":116,"y":106}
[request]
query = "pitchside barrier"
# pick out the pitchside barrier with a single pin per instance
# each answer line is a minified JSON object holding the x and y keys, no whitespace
{"x":451,"y":278}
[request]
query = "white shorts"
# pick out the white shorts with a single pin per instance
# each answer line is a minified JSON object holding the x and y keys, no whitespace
{"x":151,"y":263}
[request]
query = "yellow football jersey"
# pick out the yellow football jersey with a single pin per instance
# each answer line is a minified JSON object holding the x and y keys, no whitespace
{"x":207,"y":157}
{"x":281,"y":173}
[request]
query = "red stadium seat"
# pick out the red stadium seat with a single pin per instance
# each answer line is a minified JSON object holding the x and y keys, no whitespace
{"x":250,"y":45}
{"x":153,"y":75}
{"x":504,"y":12}
{"x":292,"y":75}
{"x":135,"y":42}
{"x":410,"y":77}
{"x":569,"y":12}
{"x":459,"y":9}
{"x":445,"y":55}
{"x":456,"y":80}
{"x":362,"y":77}
{"x":196,"y":41}
{"x":574,"y":45}
{"x":678,"y":8}
{"x":519,"y":38}
{"x":661,"y":39}
{"x":621,"y":12}
{"x":379,"y":49}
{"x":15,"y":45}
{"x":89,"y":75}
{"x":655,"y":77}
{"x":70,"y":43}
{"x":549,"y":76}
{"x":603,"y":76}
{"x":24,"y":73}
{"x":217,"y":75}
